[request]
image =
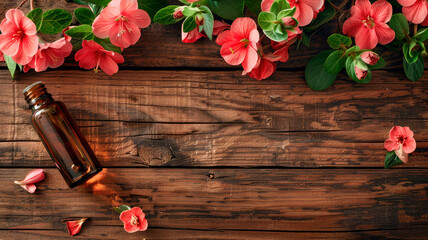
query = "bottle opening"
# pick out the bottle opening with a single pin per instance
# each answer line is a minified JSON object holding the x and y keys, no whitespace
{"x":36,"y":93}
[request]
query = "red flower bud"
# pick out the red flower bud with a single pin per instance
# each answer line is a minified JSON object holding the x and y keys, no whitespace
{"x":199,"y":19}
{"x":370,"y":57}
{"x":178,"y":13}
{"x":360,"y":73}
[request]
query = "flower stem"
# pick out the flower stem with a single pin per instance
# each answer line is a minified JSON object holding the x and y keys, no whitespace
{"x":415,"y":29}
{"x":31,"y":5}
{"x":22,"y":3}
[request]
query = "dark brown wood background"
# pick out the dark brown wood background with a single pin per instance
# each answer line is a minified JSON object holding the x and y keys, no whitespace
{"x":208,"y":153}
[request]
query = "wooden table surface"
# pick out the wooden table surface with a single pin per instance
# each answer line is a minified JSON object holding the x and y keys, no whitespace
{"x":208,"y":153}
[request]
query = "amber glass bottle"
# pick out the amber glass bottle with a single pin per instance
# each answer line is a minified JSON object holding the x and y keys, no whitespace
{"x":61,"y":136}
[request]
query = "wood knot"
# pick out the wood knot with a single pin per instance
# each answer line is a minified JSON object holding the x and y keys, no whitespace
{"x":211,"y":176}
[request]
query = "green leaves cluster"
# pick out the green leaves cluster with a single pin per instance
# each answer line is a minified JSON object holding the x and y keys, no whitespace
{"x":322,"y":69}
{"x":50,"y":22}
{"x":413,"y":47}
{"x":272,"y":22}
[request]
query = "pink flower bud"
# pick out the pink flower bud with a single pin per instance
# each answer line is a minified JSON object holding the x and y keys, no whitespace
{"x":178,"y":13}
{"x":370,"y":57}
{"x":360,"y":73}
{"x":199,"y":19}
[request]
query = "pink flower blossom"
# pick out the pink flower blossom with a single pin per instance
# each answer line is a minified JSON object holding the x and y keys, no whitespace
{"x":121,"y":21}
{"x":93,"y":55}
{"x":50,"y":55}
{"x":18,"y":39}
{"x":370,"y":57}
{"x":264,"y":69}
{"x":401,"y":141}
{"x":34,"y":176}
{"x":360,"y":73}
{"x":134,"y":220}
{"x":194,"y":35}
{"x":239,"y":44}
{"x":368,"y":23}
{"x":281,"y":48}
{"x":306,"y":10}
{"x":416,"y":11}
{"x":74,"y":227}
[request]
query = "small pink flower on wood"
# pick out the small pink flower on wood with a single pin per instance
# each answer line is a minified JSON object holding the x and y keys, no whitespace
{"x":74,"y":227}
{"x":306,"y":10}
{"x":401,"y":141}
{"x":94,"y":56}
{"x":134,"y":220}
{"x":369,"y":57}
{"x":121,"y":21}
{"x":368,"y":23}
{"x":32,"y":177}
{"x":239,"y":44}
{"x":18,"y":39}
{"x":416,"y":11}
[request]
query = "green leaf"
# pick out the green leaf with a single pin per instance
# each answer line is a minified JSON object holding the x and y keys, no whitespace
{"x":305,"y":39}
{"x":279,"y":5}
{"x":227,"y":9}
{"x":408,"y":54}
{"x":107,"y":45}
{"x":55,"y":20}
{"x":335,"y":62}
{"x":337,"y":40}
{"x":189,"y":24}
{"x":316,"y":77}
{"x":322,"y":18}
{"x":102,"y":3}
{"x":391,"y":159}
{"x":152,"y":6}
{"x":399,"y":24}
{"x":188,"y":11}
{"x":121,"y":208}
{"x":79,"y":32}
{"x":96,"y":9}
{"x":286,"y":13}
{"x":254,"y":6}
{"x":266,"y":20}
{"x":380,"y":63}
{"x":36,"y":15}
{"x":11,"y":65}
{"x":422,"y":35}
{"x":278,"y":33}
{"x":414,"y":71}
{"x":165,"y":15}
{"x":353,"y":49}
{"x":84,"y":15}
{"x":208,"y":21}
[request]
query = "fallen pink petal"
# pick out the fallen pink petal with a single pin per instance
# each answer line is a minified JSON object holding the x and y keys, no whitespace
{"x":74,"y":227}
{"x":32,"y":177}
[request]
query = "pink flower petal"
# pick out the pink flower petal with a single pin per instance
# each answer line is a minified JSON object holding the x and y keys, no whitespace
{"x":250,"y":60}
{"x":31,"y":188}
{"x":266,"y":4}
{"x":351,"y":26}
{"x":108,"y":66}
{"x":384,"y":33}
{"x":243,"y":26}
{"x":34,"y":176}
{"x":366,"y":38}
{"x":314,"y":4}
{"x":104,"y":22}
{"x":219,"y":26}
{"x":306,"y":14}
{"x":361,"y":9}
{"x":264,"y":70}
{"x":74,"y":227}
{"x":128,"y":5}
{"x":370,"y":57}
{"x":223,"y":37}
{"x":401,"y":154}
{"x":190,"y":37}
{"x":140,"y":18}
{"x":407,"y":132}
{"x":9,"y":46}
{"x":391,"y":145}
{"x":406,"y":3}
{"x":230,"y":56}
{"x":409,"y":145}
{"x":381,"y":11}
{"x":416,"y":13}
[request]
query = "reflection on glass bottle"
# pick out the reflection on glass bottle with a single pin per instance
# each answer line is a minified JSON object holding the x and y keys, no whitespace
{"x":62,"y":138}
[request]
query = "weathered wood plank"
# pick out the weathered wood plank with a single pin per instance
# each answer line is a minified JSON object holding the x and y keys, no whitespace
{"x":161,"y":46}
{"x":226,"y":199}
{"x":115,"y":232}
{"x":187,"y":118}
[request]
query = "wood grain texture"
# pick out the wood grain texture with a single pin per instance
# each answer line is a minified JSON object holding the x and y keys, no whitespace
{"x":161,"y":46}
{"x":226,"y":199}
{"x":185,"y":118}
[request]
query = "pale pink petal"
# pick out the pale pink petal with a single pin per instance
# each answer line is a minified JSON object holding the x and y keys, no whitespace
{"x":28,"y":26}
{"x":407,"y":132}
{"x":9,"y":46}
{"x":395,"y":132}
{"x":15,"y":15}
{"x":131,"y":34}
{"x":31,"y":188}
{"x":416,"y":13}
{"x":366,"y":38}
{"x":391,"y":145}
{"x":381,"y":11}
{"x":351,"y":26}
{"x":250,"y":60}
{"x":401,"y":154}
{"x":115,"y":3}
{"x":254,"y":36}
{"x":409,"y":145}
{"x":29,"y":45}
{"x":314,"y":4}
{"x":128,"y":5}
{"x":8,"y":27}
{"x":384,"y":33}
{"x":406,"y":3}
{"x":369,"y":57}
{"x":306,"y":14}
{"x":34,"y":176}
{"x":139,"y":17}
{"x":266,"y":4}
{"x":223,"y":37}
{"x":104,"y":22}
{"x":243,"y":26}
{"x":232,"y":57}
{"x":108,"y":65}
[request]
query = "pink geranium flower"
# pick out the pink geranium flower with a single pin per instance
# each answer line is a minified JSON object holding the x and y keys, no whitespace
{"x":18,"y":39}
{"x":305,"y":9}
{"x":368,"y":23}
{"x":401,"y":141}
{"x":416,"y":11}
{"x":50,"y":55}
{"x":121,"y":21}
{"x":93,"y":55}
{"x":134,"y":220}
{"x":194,"y":35}
{"x":34,"y":176}
{"x":239,"y":44}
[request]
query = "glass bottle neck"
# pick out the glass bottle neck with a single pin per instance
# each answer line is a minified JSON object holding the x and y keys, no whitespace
{"x":37,"y":96}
